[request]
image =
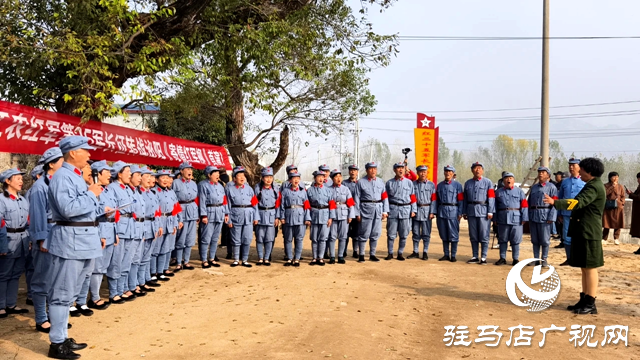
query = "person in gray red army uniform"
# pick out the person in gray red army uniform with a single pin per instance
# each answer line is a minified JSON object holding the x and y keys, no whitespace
{"x":344,"y":214}
{"x":425,"y":194}
{"x":511,"y":205}
{"x":152,"y":230}
{"x":214,"y":211}
{"x":402,"y":208}
{"x":322,"y":213}
{"x":243,"y":216}
{"x":286,"y":184}
{"x":542,"y":216}
{"x":479,"y":207}
{"x":351,"y":184}
{"x":294,"y":216}
{"x":326,"y":170}
{"x":449,"y":206}
{"x":268,"y":203}
{"x":187,"y":192}
{"x":372,"y":206}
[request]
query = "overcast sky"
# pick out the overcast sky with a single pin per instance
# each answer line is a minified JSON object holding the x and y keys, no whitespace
{"x":440,"y":76}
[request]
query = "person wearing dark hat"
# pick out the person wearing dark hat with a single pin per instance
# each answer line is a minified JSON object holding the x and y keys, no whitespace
{"x":569,"y":188}
{"x":557,"y":226}
{"x":152,"y":230}
{"x":169,"y":216}
{"x":541,"y":216}
{"x":39,"y":226}
{"x":585,"y":230}
{"x":479,"y":207}
{"x":214,"y":211}
{"x":372,"y":206}
{"x":344,"y":215}
{"x":187,"y":192}
{"x":243,"y":208}
{"x":326,"y":170}
{"x":448,"y":207}
{"x":268,"y":204}
{"x":286,"y":184}
{"x":14,"y":212}
{"x":74,"y":240}
{"x":35,"y":174}
{"x":351,"y":184}
{"x":425,"y":193}
{"x":139,"y":210}
{"x":294,"y":216}
{"x":322,"y":213}
{"x":402,"y":208}
{"x":513,"y":212}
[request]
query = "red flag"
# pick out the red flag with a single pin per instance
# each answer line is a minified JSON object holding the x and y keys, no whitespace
{"x":426,"y":122}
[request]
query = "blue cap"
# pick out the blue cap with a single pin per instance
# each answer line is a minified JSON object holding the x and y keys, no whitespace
{"x":291,"y":168}
{"x":40,"y":161}
{"x":324,"y":167}
{"x":294,"y":174}
{"x":100,"y":165}
{"x":422,"y":167}
{"x":476,"y":164}
{"x":51,"y":154}
{"x":118,"y":166}
{"x":398,"y":165}
{"x":238,"y":169}
{"x":75,"y":142}
{"x":335,"y":172}
{"x":371,"y":165}
{"x":37,"y":170}
{"x":135,"y":169}
{"x":185,"y":165}
{"x":507,"y":174}
{"x":267,"y":171}
{"x":9,"y":173}
{"x":574,"y":161}
{"x":449,"y":168}
{"x":354,"y":167}
{"x":209,"y":169}
{"x":318,"y":173}
{"x":544,"y":168}
{"x":146,"y":171}
{"x":166,"y":172}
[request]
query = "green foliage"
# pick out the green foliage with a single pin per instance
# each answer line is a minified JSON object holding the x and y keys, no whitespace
{"x":378,"y":151}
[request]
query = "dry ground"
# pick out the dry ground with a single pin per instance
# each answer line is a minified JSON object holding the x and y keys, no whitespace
{"x":386,"y":310}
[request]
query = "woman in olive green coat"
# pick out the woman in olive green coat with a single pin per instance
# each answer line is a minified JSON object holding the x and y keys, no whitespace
{"x":585,"y":230}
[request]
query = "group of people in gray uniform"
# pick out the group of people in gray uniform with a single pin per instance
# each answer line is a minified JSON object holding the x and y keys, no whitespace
{"x":84,"y":220}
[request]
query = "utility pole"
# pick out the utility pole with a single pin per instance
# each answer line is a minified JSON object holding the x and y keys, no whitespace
{"x":319,"y":155}
{"x":356,"y":149}
{"x":371,"y":152}
{"x":544,"y":128}
{"x":340,"y":154}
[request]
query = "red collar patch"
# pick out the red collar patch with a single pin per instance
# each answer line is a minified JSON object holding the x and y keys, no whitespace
{"x":77,"y":171}
{"x":122,"y":186}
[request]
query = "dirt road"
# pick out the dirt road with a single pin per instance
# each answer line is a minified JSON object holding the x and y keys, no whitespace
{"x":385,"y":310}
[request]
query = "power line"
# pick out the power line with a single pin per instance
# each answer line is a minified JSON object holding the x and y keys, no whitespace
{"x":507,"y":109}
{"x":507,"y":38}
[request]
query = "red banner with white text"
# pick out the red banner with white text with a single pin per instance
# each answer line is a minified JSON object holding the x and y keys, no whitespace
{"x":28,"y":130}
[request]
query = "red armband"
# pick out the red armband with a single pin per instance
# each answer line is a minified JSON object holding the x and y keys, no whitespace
{"x":491,"y":193}
{"x":350,"y":202}
{"x":384,"y":195}
{"x":524,"y":203}
{"x":460,"y":196}
{"x":413,"y":199}
{"x":134,"y":216}
{"x":434,"y":197}
{"x":3,"y":224}
{"x":555,"y":198}
{"x":278,"y":200}
{"x":224,"y":200}
{"x":197,"y":200}
{"x":332,"y":205}
{"x":306,"y":205}
{"x":254,"y":201}
{"x":117,"y":216}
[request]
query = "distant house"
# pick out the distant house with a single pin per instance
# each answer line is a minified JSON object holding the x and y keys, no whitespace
{"x":138,"y":117}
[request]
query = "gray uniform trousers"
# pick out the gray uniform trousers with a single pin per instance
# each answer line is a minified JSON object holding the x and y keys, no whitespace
{"x":293,"y":233}
{"x":510,"y":234}
{"x":479,"y":232}
{"x":209,"y":237}
{"x":144,"y":271}
{"x":369,"y":229}
{"x":421,"y":231}
{"x":99,"y":270}
{"x":265,"y":237}
{"x":540,"y":238}
{"x":397,"y":227}
{"x":339,"y":230}
{"x":319,"y":234}
{"x":449,"y":230}
{"x":41,"y":284}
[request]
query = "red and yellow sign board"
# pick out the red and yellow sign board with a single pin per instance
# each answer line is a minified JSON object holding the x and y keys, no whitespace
{"x":426,"y":145}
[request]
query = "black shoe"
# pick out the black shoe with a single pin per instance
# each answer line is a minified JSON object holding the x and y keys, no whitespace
{"x":43,"y":330}
{"x":13,"y":310}
{"x":162,"y":278}
{"x":285,"y":258}
{"x":73,"y":345}
{"x":288,"y":263}
{"x":332,"y":260}
{"x":29,"y":302}
{"x":533,"y":263}
{"x":214,"y":264}
{"x":389,"y":257}
{"x":483,"y":262}
{"x":453,"y":259}
{"x":321,"y":262}
{"x":559,"y":246}
{"x":85,"y":311}
{"x":400,"y":257}
{"x":361,"y":258}
{"x":246,"y":264}
{"x":215,"y":258}
{"x":177,"y":269}
{"x":139,"y":293}
{"x":61,"y":351}
{"x":119,"y":301}
{"x":355,"y":254}
{"x":93,"y":305}
{"x":637,"y":252}
{"x":206,"y":265}
{"x":445,"y":258}
{"x":515,"y":262}
{"x":297,"y":263}
{"x":373,"y":258}
{"x":544,"y":263}
{"x":145,"y":288}
{"x":588,"y":306}
{"x":425,"y":256}
{"x":229,"y":256}
{"x":473,"y":260}
{"x":501,"y":262}
{"x":326,"y":256}
{"x":578,"y":304}
{"x":313,"y":262}
{"x":566,"y":263}
{"x":341,"y":260}
{"x":267,"y":263}
{"x":128,"y":298}
{"x":73,"y":312}
{"x":168,"y":274}
{"x":188,"y":267}
{"x":234,"y":264}
{"x":260,"y":263}
{"x":414,"y":255}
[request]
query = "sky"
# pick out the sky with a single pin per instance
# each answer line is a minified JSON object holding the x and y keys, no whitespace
{"x":443,"y":77}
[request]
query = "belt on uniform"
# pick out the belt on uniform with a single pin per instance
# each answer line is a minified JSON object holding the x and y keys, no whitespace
{"x":77,"y":223}
{"x":139,"y":220}
{"x":398,"y":204}
{"x":370,"y":201}
{"x":126,"y":215}
{"x":214,"y":205}
{"x":266,"y":208}
{"x":150,"y":218}
{"x":539,"y":207}
{"x":448,"y":204}
{"x":423,"y":205}
{"x":107,"y":220}
{"x":167,"y":214}
{"x":509,"y":209}
{"x":50,"y":221}
{"x":320,"y":207}
{"x":242,"y":206}
{"x":17,"y":230}
{"x":479,"y":202}
{"x":187,"y":202}
{"x":295,"y":207}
